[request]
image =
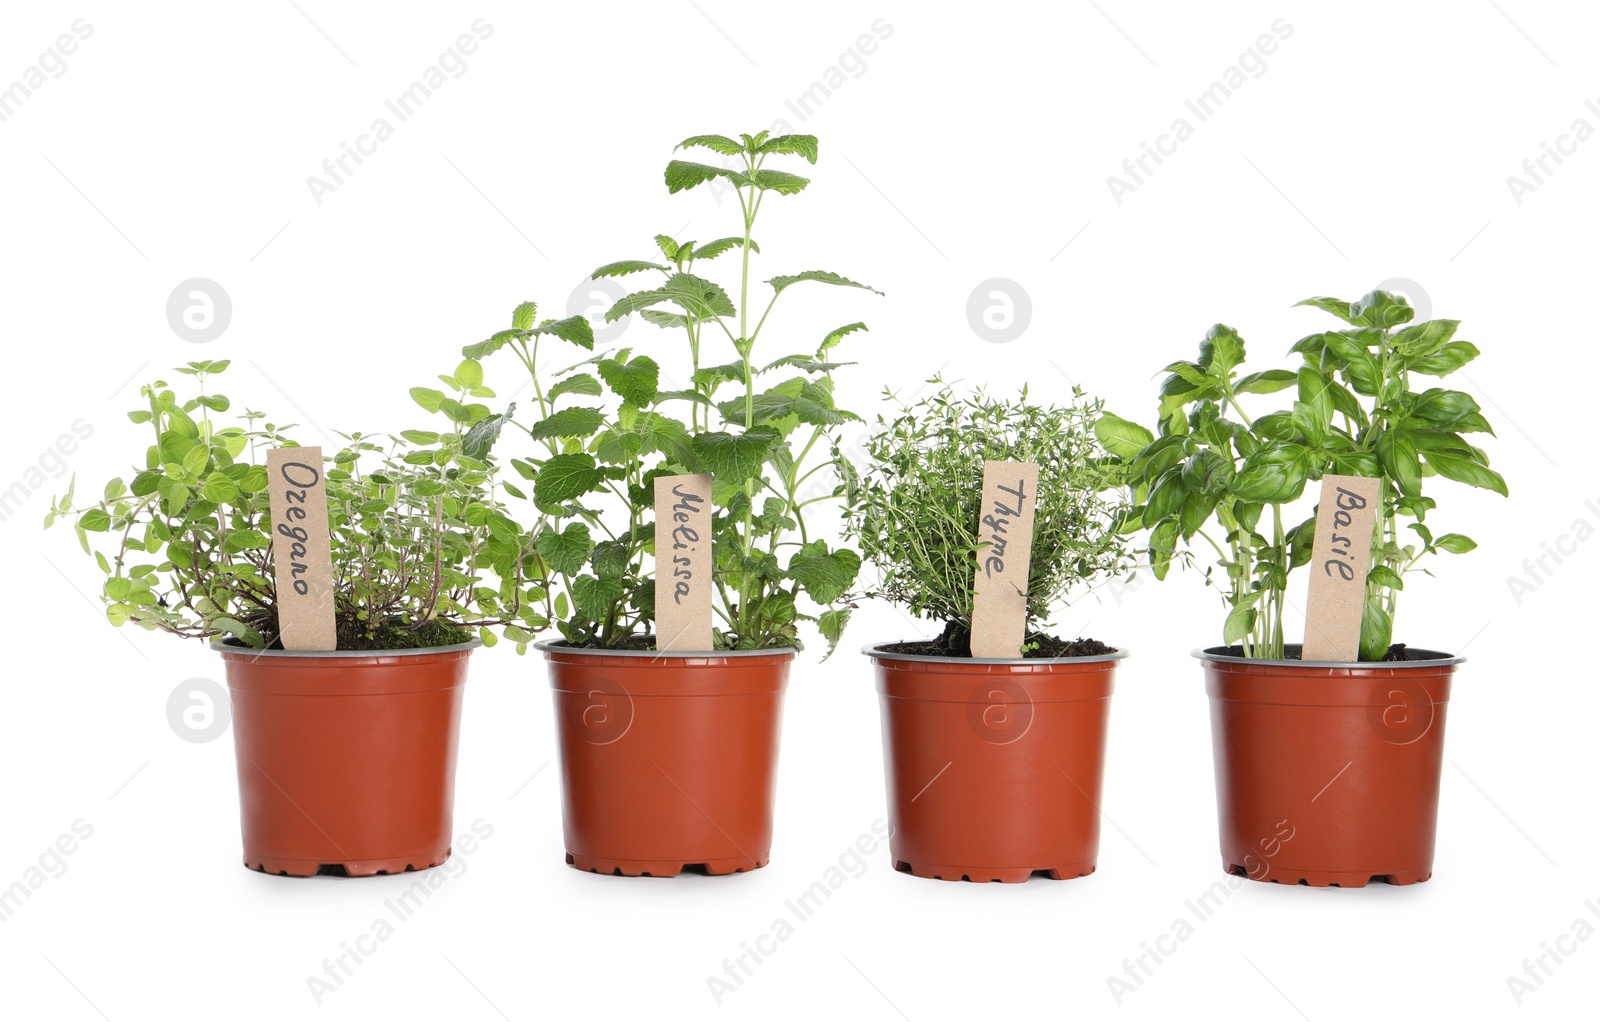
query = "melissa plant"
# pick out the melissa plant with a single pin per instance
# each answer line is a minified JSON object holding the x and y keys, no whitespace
{"x":605,"y":428}
{"x":914,"y":506}
{"x":421,"y":551}
{"x":1218,"y":474}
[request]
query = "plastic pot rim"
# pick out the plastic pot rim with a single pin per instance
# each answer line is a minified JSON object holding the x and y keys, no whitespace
{"x":877,"y":652}
{"x":1434,"y":659}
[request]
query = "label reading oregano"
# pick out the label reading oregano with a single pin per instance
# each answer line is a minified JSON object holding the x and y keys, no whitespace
{"x":301,"y":561}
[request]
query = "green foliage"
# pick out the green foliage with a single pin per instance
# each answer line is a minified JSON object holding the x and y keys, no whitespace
{"x":768,"y":444}
{"x":1215,"y":472}
{"x":914,"y":507}
{"x":421,"y":551}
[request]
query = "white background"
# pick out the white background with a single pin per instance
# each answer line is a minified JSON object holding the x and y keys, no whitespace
{"x":972,"y":143}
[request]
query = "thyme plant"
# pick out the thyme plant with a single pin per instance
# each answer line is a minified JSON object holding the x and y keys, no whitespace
{"x":914,"y":506}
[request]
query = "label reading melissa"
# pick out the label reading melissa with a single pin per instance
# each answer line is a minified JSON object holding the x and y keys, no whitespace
{"x":683,"y":562}
{"x":301,"y":562}
{"x":1340,"y":556}
{"x":1005,"y":530}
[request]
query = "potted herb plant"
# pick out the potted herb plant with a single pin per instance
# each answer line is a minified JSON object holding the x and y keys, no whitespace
{"x":346,"y":757}
{"x":669,"y":757}
{"x":1327,"y":773}
{"x":993,"y":765}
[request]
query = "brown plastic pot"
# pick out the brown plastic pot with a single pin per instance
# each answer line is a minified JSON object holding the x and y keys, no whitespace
{"x":1328,"y":773}
{"x":347,"y":760}
{"x":994,"y":766}
{"x":668,"y":760}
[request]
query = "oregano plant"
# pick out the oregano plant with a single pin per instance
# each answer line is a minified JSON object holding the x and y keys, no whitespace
{"x":422,"y":553}
{"x":603,"y":429}
{"x":1223,"y":476}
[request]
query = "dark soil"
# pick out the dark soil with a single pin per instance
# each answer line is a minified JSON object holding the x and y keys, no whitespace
{"x":956,"y":641}
{"x":354,"y":635}
{"x":1397,"y":652}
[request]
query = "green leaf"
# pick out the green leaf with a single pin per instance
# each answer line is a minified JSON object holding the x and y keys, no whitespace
{"x":1444,"y":407}
{"x":524,"y":316}
{"x":697,"y":296}
{"x":1163,"y":545}
{"x":1381,"y":309}
{"x":1383,"y":575}
{"x":1464,"y":468}
{"x":568,"y":422}
{"x":195,"y":461}
{"x":568,"y":550}
{"x":1377,"y":631}
{"x":798,"y":145}
{"x":824,"y":576}
{"x":1398,"y":455}
{"x":219,"y":489}
{"x":1447,"y":359}
{"x":469,"y":374}
{"x":1207,"y":472}
{"x":780,"y":181}
{"x":1126,"y":440}
{"x":576,"y":329}
{"x":1240,"y":621}
{"x":831,"y":623}
{"x":634,"y":381}
{"x":594,"y":598}
{"x":1423,"y":339}
{"x":712,"y":249}
{"x":1455,"y":543}
{"x":681,"y":175}
{"x":838,"y":334}
{"x":1273,"y":475}
{"x":95,"y":520}
{"x":821,"y":277}
{"x":582,"y":383}
{"x":734,"y":458}
{"x":626,"y":266}
{"x":717,"y":143}
{"x":428,"y":398}
{"x":1337,"y":306}
{"x":564,"y":477}
{"x":1269,"y":382}
{"x":1222,"y":350}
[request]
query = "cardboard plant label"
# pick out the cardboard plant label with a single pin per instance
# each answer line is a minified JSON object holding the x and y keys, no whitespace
{"x":1005,"y":528}
{"x":301,"y":561}
{"x":1340,"y":556}
{"x":683,"y":562}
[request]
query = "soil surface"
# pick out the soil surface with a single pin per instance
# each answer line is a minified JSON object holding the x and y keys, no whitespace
{"x":352,"y":635}
{"x":956,"y":641}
